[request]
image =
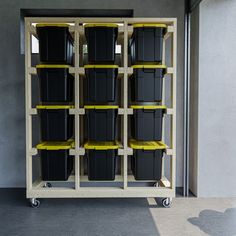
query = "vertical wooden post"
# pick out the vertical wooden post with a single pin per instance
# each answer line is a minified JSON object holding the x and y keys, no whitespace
{"x":163,"y":101}
{"x":173,"y":120}
{"x":28,"y":105}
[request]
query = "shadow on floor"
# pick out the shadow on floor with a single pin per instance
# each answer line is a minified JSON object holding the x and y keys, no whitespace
{"x":74,"y":217}
{"x":216,"y":223}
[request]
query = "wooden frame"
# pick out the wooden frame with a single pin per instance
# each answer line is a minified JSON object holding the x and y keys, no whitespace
{"x":166,"y":188}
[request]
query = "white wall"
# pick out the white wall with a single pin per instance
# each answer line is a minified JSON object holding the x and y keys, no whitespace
{"x":216,"y":100}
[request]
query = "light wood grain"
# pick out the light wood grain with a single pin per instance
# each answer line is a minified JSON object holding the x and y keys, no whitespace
{"x":167,"y":187}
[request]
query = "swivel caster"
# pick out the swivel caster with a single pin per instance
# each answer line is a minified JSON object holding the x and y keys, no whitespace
{"x":34,"y":203}
{"x":166,"y":202}
{"x":47,"y":185}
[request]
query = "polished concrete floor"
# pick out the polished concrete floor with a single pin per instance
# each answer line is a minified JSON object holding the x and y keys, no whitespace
{"x":115,"y":217}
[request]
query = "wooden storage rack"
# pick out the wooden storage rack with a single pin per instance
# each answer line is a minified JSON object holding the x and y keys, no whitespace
{"x":166,"y":187}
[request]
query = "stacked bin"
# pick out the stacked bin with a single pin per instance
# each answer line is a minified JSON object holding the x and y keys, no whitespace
{"x":56,"y":162}
{"x":56,"y":98}
{"x":101,"y":101}
{"x":100,"y":84}
{"x":56,"y":84}
{"x":101,"y":160}
{"x":146,"y":43}
{"x":146,"y":82}
{"x":146,"y":162}
{"x":146,"y":122}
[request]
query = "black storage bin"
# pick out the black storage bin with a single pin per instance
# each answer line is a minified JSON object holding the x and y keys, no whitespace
{"x":146,"y":162}
{"x":146,"y":122}
{"x":146,"y":83}
{"x":56,"y":84}
{"x":101,"y":122}
{"x":56,"y":163}
{"x":100,"y":84}
{"x":56,"y":123}
{"x":101,"y":42}
{"x":55,"y":43}
{"x":146,"y":43}
{"x":101,"y":161}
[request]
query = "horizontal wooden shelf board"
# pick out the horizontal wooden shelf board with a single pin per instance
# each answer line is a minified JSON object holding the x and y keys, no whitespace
{"x":103,"y":192}
{"x":118,"y":178}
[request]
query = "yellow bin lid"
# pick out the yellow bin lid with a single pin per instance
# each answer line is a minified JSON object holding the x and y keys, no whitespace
{"x":55,"y":145}
{"x":138,"y":25}
{"x":101,"y":25}
{"x":100,"y":66}
{"x":151,"y":107}
{"x":52,"y":24}
{"x":54,"y":107}
{"x":154,"y":66}
{"x":101,"y":145}
{"x":52,"y":66}
{"x":101,"y":107}
{"x":147,"y":145}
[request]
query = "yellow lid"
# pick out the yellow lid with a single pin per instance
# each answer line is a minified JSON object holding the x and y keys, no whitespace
{"x":149,"y":66}
{"x":147,"y":145}
{"x":101,"y":107}
{"x":52,"y":24}
{"x":101,"y":25}
{"x":100,"y":66}
{"x":101,"y":145}
{"x":149,"y":25}
{"x":148,"y":107}
{"x":52,"y":66}
{"x":54,"y":106}
{"x":55,"y":145}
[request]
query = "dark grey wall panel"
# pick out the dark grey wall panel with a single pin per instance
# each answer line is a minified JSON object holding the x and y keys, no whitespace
{"x":12,"y":118}
{"x":193,"y":125}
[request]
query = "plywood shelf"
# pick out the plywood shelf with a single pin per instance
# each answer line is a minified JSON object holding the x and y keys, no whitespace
{"x":164,"y":182}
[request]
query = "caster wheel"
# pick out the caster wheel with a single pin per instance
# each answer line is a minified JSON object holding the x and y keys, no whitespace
{"x":47,"y":185}
{"x":156,"y":185}
{"x":35,"y":203}
{"x":166,"y":202}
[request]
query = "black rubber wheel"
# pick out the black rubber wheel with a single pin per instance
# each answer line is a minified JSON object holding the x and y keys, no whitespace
{"x":166,"y":202}
{"x":156,"y":184}
{"x":47,"y":185}
{"x":35,"y":204}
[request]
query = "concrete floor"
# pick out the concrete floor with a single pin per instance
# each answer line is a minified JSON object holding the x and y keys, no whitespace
{"x":197,"y":216}
{"x":115,"y":217}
